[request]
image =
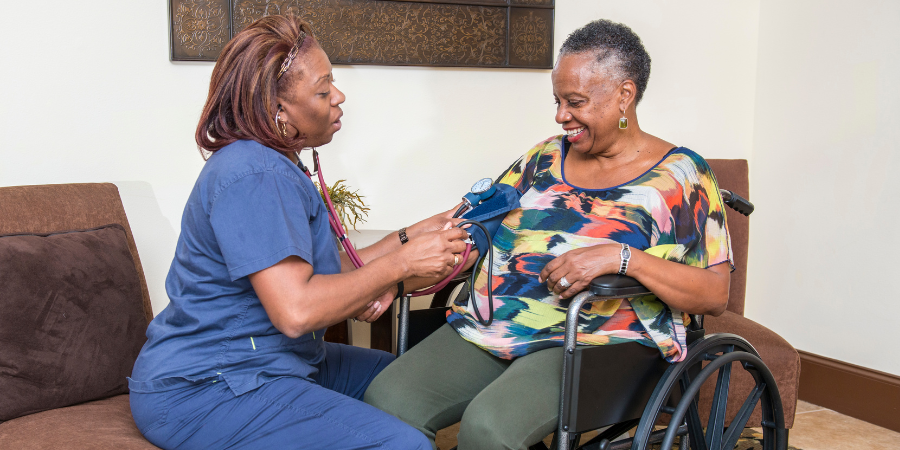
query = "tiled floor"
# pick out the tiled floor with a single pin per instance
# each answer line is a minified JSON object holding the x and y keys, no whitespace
{"x":815,"y":428}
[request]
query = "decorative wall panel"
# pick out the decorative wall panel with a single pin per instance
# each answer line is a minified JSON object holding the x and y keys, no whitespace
{"x":199,"y":29}
{"x":546,"y":3}
{"x":475,"y":33}
{"x":527,"y":37}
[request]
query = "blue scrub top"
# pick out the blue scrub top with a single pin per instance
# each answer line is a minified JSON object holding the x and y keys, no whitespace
{"x":250,"y":208}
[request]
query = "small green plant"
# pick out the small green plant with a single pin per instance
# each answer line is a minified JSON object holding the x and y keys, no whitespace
{"x":349,"y":204}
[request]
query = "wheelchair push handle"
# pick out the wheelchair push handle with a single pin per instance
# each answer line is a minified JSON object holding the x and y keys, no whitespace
{"x":736,"y":202}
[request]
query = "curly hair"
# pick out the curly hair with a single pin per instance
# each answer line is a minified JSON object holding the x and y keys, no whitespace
{"x":619,"y":50}
{"x":244,"y":86}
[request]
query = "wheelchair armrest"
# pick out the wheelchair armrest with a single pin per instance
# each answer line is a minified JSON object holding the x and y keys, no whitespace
{"x":614,"y":285}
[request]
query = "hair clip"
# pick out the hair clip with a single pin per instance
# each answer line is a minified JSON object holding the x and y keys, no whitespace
{"x":291,"y":55}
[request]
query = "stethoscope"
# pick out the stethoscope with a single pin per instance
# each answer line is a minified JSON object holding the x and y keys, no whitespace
{"x":482,"y":189}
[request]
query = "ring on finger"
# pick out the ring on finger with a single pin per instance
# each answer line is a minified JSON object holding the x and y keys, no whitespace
{"x":564,"y":283}
{"x":455,"y":259}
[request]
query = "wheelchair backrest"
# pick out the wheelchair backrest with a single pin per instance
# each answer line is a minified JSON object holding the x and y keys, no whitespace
{"x":733,"y":174}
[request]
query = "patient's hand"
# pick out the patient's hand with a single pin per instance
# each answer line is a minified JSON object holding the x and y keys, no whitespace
{"x":579,"y":267}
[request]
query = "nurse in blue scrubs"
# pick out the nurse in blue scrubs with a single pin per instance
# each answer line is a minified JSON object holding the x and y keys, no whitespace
{"x":237,"y":360}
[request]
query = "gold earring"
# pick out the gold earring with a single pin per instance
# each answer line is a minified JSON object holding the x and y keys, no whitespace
{"x":623,"y":121}
{"x":282,"y":126}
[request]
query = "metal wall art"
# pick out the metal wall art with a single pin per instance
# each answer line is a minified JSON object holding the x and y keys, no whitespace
{"x":472,"y":33}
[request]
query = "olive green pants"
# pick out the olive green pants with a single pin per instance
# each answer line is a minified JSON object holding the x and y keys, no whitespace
{"x":501,"y":404}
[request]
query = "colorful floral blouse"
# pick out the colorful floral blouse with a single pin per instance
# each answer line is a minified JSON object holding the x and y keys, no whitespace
{"x":673,"y":211}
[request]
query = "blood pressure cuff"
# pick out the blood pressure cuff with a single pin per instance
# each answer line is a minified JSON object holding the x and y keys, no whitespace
{"x":490,"y":212}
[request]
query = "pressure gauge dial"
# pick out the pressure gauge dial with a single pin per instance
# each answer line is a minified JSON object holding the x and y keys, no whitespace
{"x":481,"y":186}
{"x":481,"y":190}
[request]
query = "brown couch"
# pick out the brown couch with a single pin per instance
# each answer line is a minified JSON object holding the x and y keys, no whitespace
{"x":75,"y":308}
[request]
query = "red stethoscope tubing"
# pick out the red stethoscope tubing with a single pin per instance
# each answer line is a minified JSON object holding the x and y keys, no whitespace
{"x":351,"y":251}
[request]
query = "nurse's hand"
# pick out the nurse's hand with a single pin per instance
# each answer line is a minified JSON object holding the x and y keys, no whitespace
{"x":433,"y":254}
{"x":377,"y":307}
{"x":433,"y":223}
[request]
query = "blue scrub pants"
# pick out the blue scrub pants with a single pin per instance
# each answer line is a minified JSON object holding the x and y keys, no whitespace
{"x":287,"y":413}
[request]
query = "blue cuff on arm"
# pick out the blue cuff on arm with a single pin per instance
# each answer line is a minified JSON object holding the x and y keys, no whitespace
{"x":491,"y":213}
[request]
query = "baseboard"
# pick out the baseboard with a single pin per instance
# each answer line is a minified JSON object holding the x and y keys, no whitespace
{"x":856,"y":391}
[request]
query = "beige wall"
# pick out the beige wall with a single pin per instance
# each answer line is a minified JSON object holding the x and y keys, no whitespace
{"x":88,"y":94}
{"x":825,"y":148}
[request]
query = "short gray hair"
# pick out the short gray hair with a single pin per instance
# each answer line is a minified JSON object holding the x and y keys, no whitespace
{"x":617,"y":48}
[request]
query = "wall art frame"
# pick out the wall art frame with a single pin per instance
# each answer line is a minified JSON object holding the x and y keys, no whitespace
{"x":443,"y":33}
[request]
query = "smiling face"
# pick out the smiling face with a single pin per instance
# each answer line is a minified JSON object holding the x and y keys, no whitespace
{"x":311,"y":105}
{"x":589,"y":103}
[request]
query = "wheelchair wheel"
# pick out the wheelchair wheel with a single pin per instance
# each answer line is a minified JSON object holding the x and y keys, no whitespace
{"x":676,"y":398}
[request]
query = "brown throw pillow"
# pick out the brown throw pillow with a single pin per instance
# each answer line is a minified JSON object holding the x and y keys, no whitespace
{"x":71,"y":318}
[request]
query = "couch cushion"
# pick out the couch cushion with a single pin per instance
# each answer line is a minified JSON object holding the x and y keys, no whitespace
{"x":99,"y":425}
{"x":71,"y":318}
{"x":76,"y":206}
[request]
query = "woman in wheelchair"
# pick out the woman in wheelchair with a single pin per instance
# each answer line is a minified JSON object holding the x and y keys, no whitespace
{"x":603,"y":198}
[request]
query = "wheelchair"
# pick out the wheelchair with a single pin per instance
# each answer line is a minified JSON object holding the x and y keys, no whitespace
{"x":659,"y":405}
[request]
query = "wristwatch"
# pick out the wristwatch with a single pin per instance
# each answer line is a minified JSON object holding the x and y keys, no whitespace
{"x":626,"y":256}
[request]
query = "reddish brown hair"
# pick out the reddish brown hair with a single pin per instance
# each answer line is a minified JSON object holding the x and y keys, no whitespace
{"x":242,"y":100}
